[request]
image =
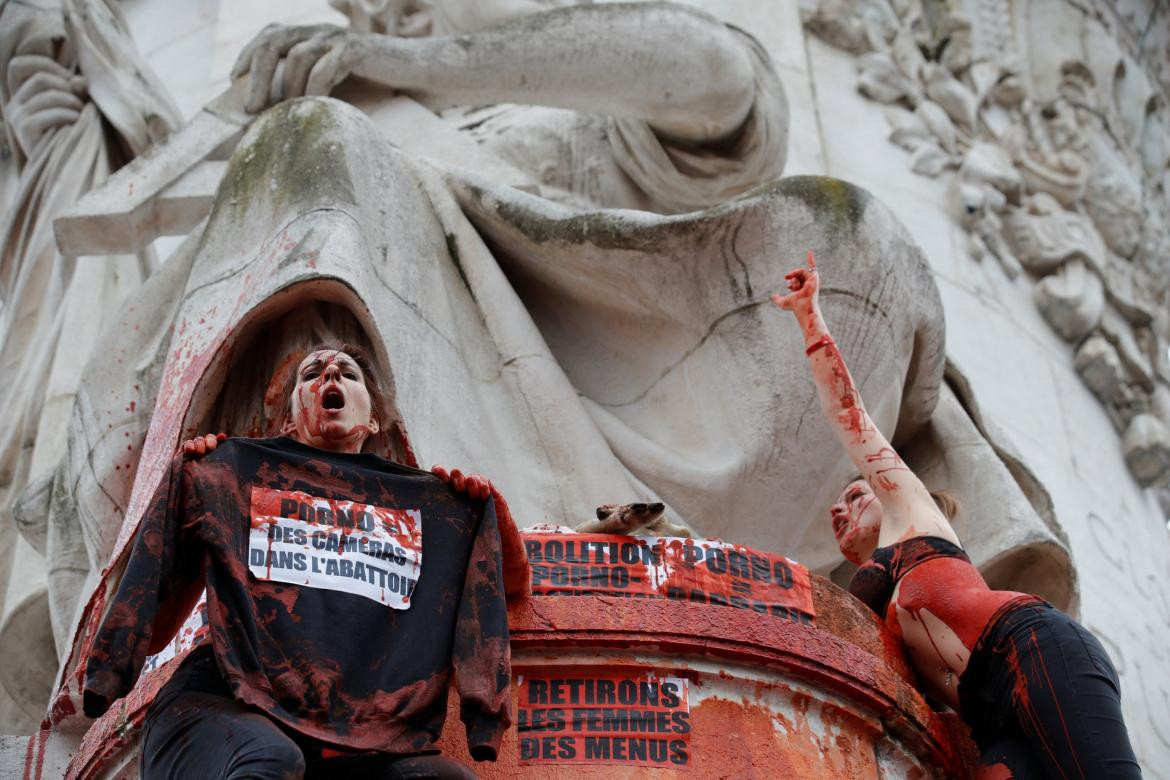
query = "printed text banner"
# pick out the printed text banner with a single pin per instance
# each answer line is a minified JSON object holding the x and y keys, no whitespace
{"x":696,"y":571}
{"x":598,"y":716}
{"x":346,"y":546}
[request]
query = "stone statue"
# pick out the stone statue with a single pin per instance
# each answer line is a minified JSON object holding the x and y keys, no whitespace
{"x":554,"y":95}
{"x":78,"y":103}
{"x":578,"y":355}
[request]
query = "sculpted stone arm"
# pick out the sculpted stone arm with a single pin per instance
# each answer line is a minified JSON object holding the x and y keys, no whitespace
{"x":680,"y":70}
{"x":908,"y":507}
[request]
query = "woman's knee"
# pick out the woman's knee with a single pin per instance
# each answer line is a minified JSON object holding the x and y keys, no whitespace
{"x":278,"y":761}
{"x":265,"y":753}
{"x":204,"y":735}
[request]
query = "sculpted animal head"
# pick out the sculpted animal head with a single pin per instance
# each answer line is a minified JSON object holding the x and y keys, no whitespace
{"x":624,"y":518}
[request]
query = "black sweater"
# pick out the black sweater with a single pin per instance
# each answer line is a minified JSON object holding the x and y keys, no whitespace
{"x":342,"y":593}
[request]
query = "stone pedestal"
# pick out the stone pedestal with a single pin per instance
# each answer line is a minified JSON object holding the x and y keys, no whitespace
{"x":761,"y":695}
{"x":765,"y":695}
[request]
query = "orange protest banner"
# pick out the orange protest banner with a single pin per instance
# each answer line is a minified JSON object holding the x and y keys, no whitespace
{"x":698,"y":571}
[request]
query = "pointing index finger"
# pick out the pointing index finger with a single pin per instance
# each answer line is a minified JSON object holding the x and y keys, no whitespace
{"x":812,"y":262}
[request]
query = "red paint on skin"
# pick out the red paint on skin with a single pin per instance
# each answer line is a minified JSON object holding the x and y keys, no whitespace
{"x":320,"y":423}
{"x":954,"y":592}
{"x":885,"y":453}
{"x":856,"y":537}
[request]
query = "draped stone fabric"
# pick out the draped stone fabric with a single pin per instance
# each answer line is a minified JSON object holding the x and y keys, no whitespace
{"x":90,"y":40}
{"x":587,"y":160}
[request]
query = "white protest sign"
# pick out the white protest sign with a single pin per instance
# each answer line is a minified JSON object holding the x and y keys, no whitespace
{"x":357,"y":548}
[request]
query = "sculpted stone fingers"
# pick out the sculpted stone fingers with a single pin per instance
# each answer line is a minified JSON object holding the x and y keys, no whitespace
{"x":314,"y":57}
{"x":45,"y":98}
{"x":333,"y":67}
{"x":23,"y":67}
{"x":302,"y":60}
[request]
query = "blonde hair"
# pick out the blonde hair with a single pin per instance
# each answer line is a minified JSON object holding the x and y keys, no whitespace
{"x":947,"y":503}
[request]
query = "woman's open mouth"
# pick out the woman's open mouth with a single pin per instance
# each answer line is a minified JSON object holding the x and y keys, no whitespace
{"x":333,"y":399}
{"x":839,"y":521}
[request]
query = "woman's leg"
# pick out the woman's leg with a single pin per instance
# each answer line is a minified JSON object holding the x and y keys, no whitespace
{"x":1068,"y":699}
{"x":382,"y":766}
{"x":197,"y":734}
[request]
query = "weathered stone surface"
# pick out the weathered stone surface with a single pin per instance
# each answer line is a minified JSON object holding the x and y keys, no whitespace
{"x":1147,"y":448}
{"x":1082,"y":137}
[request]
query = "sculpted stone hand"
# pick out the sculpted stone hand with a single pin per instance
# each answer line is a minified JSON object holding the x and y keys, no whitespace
{"x":316,"y":59}
{"x":578,"y":58}
{"x":45,"y":96}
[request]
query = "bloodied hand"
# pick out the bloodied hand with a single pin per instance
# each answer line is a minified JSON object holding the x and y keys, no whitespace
{"x":517,"y":577}
{"x":201,"y":445}
{"x":803,"y":285}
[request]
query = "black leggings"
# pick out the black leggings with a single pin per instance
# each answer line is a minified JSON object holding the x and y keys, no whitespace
{"x":196,"y":728}
{"x":1043,"y":700}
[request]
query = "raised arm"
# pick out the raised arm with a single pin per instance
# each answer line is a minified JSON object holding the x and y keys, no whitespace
{"x":907,"y":505}
{"x":684,"y":72}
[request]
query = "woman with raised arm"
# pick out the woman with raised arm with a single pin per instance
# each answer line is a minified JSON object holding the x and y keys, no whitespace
{"x":344,"y":593}
{"x":1037,"y":689}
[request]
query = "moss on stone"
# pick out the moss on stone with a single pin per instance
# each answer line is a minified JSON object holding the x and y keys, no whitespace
{"x":833,"y":200}
{"x":837,"y":204}
{"x":291,"y":154}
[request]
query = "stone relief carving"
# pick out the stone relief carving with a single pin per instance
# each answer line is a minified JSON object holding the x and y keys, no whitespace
{"x":1060,"y":166}
{"x":78,"y":103}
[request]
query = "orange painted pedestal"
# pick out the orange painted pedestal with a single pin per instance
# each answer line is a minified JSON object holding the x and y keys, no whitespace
{"x":694,"y":690}
{"x":765,"y":697}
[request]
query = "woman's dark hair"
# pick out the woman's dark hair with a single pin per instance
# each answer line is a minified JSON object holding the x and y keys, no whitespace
{"x":369,"y":376}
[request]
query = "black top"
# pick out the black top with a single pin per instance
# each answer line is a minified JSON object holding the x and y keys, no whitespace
{"x":343,"y":591}
{"x":875,"y":580}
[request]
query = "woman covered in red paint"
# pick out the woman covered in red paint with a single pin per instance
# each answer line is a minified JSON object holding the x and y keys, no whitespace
{"x":344,"y":592}
{"x":1037,"y":689}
